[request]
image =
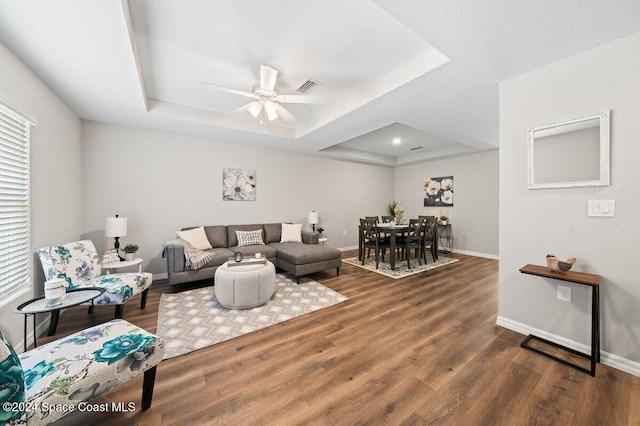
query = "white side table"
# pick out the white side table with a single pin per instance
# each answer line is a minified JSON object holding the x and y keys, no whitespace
{"x":124,"y":264}
{"x":323,"y":241}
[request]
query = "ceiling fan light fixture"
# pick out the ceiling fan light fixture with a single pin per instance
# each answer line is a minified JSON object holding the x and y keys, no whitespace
{"x":255,"y":109}
{"x":270,"y":109}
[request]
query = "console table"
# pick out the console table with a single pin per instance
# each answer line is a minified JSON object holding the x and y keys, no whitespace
{"x":590,"y":280}
{"x":445,"y":235}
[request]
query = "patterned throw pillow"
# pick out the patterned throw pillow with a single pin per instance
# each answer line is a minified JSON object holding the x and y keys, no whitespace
{"x":249,"y":238}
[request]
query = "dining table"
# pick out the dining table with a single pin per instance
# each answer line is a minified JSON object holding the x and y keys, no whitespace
{"x":393,"y":230}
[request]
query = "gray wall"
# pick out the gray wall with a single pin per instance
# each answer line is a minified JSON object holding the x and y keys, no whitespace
{"x":56,"y":207}
{"x":536,"y":222}
{"x":163,"y":182}
{"x":474,"y":215}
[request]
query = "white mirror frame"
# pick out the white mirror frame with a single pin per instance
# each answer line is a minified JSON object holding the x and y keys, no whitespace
{"x":604,"y":153}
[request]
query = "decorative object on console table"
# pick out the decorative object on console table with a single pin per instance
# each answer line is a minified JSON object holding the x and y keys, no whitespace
{"x":116,"y":227}
{"x":238,"y":185}
{"x":313,"y":219}
{"x":130,"y":251}
{"x":556,"y":265}
{"x":438,"y":191}
{"x":443,"y":220}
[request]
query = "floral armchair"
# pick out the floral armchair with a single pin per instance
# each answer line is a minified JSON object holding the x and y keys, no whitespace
{"x":78,"y":263}
{"x":42,"y":385}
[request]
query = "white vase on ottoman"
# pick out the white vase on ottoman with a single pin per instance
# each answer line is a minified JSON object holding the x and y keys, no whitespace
{"x":245,"y":286}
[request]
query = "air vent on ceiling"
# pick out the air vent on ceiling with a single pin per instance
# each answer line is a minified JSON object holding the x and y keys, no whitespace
{"x":308,"y":85}
{"x":415,"y":149}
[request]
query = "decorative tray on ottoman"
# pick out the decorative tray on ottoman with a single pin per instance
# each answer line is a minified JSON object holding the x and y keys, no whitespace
{"x":247,"y":261}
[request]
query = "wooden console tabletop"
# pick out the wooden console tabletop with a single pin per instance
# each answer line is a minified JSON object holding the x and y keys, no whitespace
{"x":571,"y":276}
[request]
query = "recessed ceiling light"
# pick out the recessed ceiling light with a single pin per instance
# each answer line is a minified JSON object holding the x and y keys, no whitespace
{"x":396,"y":141}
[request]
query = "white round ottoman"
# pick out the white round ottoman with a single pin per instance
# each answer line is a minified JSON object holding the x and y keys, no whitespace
{"x":245,"y":286}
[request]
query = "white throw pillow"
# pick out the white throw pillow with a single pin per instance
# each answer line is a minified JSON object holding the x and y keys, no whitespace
{"x":291,"y":233}
{"x":196,"y":237}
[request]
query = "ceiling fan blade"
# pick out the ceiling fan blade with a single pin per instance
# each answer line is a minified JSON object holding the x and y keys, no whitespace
{"x":268,"y":77}
{"x":283,"y":113}
{"x":226,"y":89}
{"x":243,"y":108}
{"x":300,"y":99}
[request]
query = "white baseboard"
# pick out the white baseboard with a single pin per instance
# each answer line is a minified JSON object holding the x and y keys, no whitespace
{"x":162,"y":276}
{"x":606,"y":358}
{"x":41,"y":328}
{"x":477,"y":254}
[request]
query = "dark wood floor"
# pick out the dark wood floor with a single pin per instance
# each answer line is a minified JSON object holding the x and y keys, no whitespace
{"x":420,"y":350}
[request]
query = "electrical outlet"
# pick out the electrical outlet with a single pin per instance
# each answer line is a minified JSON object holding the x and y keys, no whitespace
{"x":564,"y":293}
{"x":344,"y":233}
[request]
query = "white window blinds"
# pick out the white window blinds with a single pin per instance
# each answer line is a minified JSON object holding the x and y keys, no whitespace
{"x":14,"y":202}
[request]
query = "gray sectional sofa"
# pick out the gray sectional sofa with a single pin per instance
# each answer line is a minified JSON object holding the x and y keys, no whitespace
{"x":298,"y":259}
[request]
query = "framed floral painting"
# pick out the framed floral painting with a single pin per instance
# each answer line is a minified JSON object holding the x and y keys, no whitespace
{"x":238,"y":185}
{"x":438,"y":191}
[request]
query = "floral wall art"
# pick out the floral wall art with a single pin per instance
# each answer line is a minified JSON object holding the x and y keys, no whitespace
{"x":438,"y":191}
{"x":238,"y":185}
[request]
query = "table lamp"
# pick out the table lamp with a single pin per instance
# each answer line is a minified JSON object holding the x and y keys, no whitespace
{"x":116,"y":227}
{"x":313,"y":219}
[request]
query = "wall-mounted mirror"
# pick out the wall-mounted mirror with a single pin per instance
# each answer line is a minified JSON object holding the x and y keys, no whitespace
{"x":571,"y":153}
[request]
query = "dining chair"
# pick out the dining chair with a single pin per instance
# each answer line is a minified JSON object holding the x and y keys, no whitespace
{"x":429,"y":238}
{"x":413,"y":240}
{"x":361,"y":230}
{"x":371,"y":239}
{"x":387,"y":219}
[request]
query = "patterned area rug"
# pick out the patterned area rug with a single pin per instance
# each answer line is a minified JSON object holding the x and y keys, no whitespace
{"x":401,"y":270}
{"x":194,"y":319}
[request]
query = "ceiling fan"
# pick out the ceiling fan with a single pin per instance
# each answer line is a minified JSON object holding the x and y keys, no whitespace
{"x":266,"y":101}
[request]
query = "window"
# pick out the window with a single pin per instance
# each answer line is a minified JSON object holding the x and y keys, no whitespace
{"x":15,"y":247}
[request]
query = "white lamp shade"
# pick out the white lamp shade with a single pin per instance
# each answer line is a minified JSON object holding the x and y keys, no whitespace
{"x":313,"y":218}
{"x":255,"y":109}
{"x":270,"y":108}
{"x":115,"y":227}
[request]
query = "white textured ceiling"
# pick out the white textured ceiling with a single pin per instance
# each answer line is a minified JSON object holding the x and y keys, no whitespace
{"x":425,"y":71}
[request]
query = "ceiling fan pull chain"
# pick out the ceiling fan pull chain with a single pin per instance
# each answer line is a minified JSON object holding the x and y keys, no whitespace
{"x":265,"y":122}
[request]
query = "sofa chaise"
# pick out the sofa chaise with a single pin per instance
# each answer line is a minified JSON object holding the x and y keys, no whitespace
{"x":297,"y":258}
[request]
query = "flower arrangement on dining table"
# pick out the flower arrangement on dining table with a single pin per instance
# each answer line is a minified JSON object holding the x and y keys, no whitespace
{"x":396,"y":210}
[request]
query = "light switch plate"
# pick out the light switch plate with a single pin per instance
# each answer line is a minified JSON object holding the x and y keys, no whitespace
{"x":601,"y":208}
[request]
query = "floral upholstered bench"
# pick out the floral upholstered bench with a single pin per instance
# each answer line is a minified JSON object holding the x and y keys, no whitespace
{"x":44,"y":384}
